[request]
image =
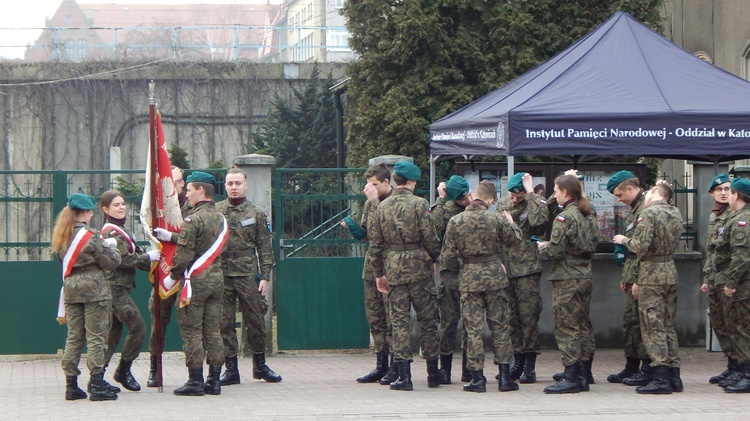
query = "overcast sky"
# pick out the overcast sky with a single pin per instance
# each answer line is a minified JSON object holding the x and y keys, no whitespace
{"x":21,"y":23}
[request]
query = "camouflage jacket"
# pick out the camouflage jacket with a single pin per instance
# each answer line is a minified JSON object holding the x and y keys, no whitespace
{"x":185,"y":209}
{"x":531,"y":216}
{"x":715,"y":224}
{"x":572,"y":244}
{"x":630,"y":266}
{"x":368,"y":212}
{"x":474,"y":240}
{"x":403,"y":221}
{"x":659,"y":228}
{"x":87,"y":282}
{"x":441,"y":212}
{"x":199,"y":231}
{"x":248,"y":234}
{"x":124,"y":275}
{"x":737,"y":273}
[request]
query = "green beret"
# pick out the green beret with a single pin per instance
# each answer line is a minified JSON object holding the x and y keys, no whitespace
{"x":718,"y":180}
{"x":457,"y":187}
{"x":80,"y":201}
{"x":407,"y":170}
{"x":201,"y":177}
{"x":618,"y":178}
{"x":515,"y":184}
{"x":355,"y":229}
{"x":741,"y":185}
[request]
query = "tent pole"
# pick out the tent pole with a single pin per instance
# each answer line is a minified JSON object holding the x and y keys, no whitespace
{"x":511,"y":165}
{"x":433,"y":158}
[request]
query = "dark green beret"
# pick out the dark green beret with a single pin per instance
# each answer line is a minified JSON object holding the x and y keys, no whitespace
{"x":618,"y":178}
{"x":201,"y":177}
{"x":457,"y":187}
{"x":79,"y":201}
{"x":515,"y":184}
{"x":718,"y":180}
{"x":407,"y":170}
{"x":741,"y":185}
{"x":355,"y":229}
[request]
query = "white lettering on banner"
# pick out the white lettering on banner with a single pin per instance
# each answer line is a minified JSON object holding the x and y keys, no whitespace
{"x":738,"y":133}
{"x":694,"y":132}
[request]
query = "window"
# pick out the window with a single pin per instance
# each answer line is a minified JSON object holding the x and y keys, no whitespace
{"x":68,"y":49}
{"x":338,"y":4}
{"x":338,"y":40}
{"x":82,"y":49}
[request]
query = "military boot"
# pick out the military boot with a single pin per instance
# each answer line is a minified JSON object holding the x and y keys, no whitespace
{"x":109,"y":387}
{"x":529,"y":368}
{"x":674,"y":379}
{"x":404,"y":377}
{"x":433,"y":373}
{"x":381,"y":368}
{"x":231,"y":374}
{"x":743,"y":384}
{"x":466,"y":375}
{"x":517,"y":369}
{"x":391,"y":375}
{"x":506,"y":383}
{"x":153,"y":376}
{"x":99,"y":390}
{"x":583,"y":378}
{"x":731,"y":379}
{"x":262,"y":371}
{"x":631,"y":367}
{"x":586,"y":366}
{"x":125,"y":377}
{"x":659,"y":384}
{"x":478,"y":382}
{"x":642,"y":377}
{"x":194,"y":385}
{"x":446,"y":364}
{"x":569,"y":382}
{"x":213,"y":381}
{"x":731,"y":366}
{"x":72,"y":391}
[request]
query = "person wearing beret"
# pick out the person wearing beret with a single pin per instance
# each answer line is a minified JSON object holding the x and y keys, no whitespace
{"x":457,"y":191}
{"x":660,"y":226}
{"x":530,"y":213}
{"x":86,"y":297}
{"x":737,"y":283}
{"x":627,"y":189}
{"x":718,"y":303}
{"x":403,"y":248}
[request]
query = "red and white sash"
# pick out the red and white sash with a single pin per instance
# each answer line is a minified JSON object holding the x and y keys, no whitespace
{"x":203,"y":262}
{"x":112,"y":227}
{"x":71,"y":256}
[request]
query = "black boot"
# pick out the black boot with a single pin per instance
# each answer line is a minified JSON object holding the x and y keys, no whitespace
{"x":433,"y":373}
{"x":72,"y":391}
{"x":109,"y":387}
{"x":213,"y":381}
{"x":194,"y":385}
{"x":743,"y":384}
{"x":589,"y":374}
{"x":478,"y":382}
{"x":446,"y":364}
{"x":262,"y":371}
{"x":506,"y":383}
{"x":659,"y":384}
{"x":642,"y":377}
{"x":631,"y":367}
{"x":731,"y":366}
{"x":466,"y":375}
{"x":404,"y":377}
{"x":674,"y":379}
{"x":732,"y":378}
{"x":125,"y":377}
{"x":153,"y":380}
{"x":569,"y":382}
{"x":529,"y":368}
{"x":391,"y":375}
{"x":381,"y":368}
{"x":517,"y":369}
{"x":231,"y":374}
{"x":583,"y":378}
{"x":99,"y":390}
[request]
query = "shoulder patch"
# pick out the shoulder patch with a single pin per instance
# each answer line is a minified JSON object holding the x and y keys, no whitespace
{"x":640,"y":218}
{"x":741,"y":223}
{"x":560,"y":218}
{"x":187,"y":219}
{"x":544,"y":202}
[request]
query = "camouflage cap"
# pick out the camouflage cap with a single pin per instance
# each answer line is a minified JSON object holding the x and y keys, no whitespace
{"x":79,"y":201}
{"x":617,"y":178}
{"x":741,"y":185}
{"x":515,"y":183}
{"x":718,"y":180}
{"x":407,"y":170}
{"x":200,"y":177}
{"x":457,"y":187}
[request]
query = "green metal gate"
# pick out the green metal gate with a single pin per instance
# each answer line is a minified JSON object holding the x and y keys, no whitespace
{"x":319,"y":288}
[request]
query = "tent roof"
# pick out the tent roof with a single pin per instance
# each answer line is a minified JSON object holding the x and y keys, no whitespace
{"x":620,"y":90}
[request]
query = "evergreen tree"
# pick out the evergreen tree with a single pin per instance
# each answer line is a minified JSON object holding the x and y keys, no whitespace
{"x":178,"y":157}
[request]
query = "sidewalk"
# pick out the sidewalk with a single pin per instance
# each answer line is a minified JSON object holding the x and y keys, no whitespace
{"x":321,"y":386}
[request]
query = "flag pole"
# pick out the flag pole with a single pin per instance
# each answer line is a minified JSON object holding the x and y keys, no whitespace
{"x":154,"y":212}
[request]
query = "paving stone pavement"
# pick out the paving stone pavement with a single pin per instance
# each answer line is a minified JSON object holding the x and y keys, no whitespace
{"x":321,"y":386}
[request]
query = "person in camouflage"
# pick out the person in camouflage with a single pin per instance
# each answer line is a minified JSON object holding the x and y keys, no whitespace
{"x":472,"y":244}
{"x":736,"y":278}
{"x":457,"y":190}
{"x":660,"y":226}
{"x":530,"y":213}
{"x":249,"y":237}
{"x":85,"y":294}
{"x":377,"y":189}
{"x":121,"y":281}
{"x":403,"y":248}
{"x":200,"y":241}
{"x":571,"y":246}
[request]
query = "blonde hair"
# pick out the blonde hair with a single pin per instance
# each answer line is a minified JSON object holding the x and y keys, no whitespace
{"x":62,"y":235}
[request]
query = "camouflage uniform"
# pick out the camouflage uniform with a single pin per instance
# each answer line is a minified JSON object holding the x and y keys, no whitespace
{"x":87,"y":304}
{"x":737,"y":276}
{"x":654,"y":239}
{"x":525,"y":271}
{"x":403,"y":246}
{"x":718,"y":303}
{"x":199,"y":322}
{"x":124,"y":310}
{"x":476,"y":237}
{"x":631,"y":328}
{"x":248,"y":234}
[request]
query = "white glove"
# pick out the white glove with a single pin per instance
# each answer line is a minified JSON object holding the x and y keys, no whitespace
{"x":110,"y":242}
{"x":163,"y":234}
{"x":153,"y":255}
